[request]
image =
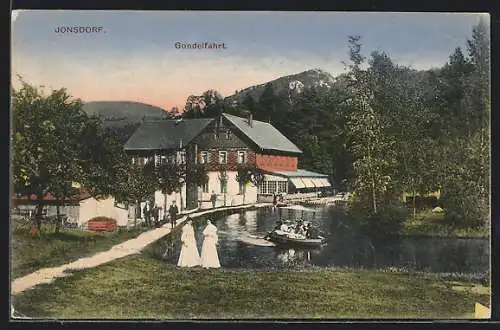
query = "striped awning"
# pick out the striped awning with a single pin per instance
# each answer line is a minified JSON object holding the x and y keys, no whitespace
{"x":321,"y":182}
{"x":308,"y":182}
{"x":297,"y":182}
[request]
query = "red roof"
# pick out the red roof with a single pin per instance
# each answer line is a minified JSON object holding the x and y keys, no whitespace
{"x":83,"y":194}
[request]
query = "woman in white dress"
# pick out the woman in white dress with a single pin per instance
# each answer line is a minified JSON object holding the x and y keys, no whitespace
{"x":189,"y":256}
{"x":209,"y":256}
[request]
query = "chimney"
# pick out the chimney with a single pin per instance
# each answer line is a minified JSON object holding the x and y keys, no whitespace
{"x":250,"y":119}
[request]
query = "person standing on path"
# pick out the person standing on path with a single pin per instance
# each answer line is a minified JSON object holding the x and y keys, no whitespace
{"x":156,"y":215}
{"x":173,"y":213}
{"x":209,"y":256}
{"x":213,"y":198}
{"x":146,"y":214}
{"x":189,"y":257}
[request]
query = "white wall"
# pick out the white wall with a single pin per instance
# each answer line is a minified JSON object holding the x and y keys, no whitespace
{"x":232,"y":196}
{"x":90,"y":208}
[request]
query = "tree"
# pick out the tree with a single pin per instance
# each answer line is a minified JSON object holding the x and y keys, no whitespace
{"x":194,"y":107}
{"x":223,"y":179}
{"x":209,"y":104}
{"x":169,"y":178}
{"x":371,"y":148}
{"x":172,"y":176}
{"x":48,"y":139}
{"x":247,"y":174}
{"x":137,"y":185}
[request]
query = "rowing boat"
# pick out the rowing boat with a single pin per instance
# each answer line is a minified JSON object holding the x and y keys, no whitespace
{"x":283,"y":238}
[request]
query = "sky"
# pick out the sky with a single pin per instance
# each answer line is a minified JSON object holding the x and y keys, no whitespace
{"x":133,"y":57}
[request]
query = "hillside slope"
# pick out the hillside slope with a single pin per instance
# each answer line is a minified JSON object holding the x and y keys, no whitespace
{"x":121,"y":113}
{"x":291,"y":85}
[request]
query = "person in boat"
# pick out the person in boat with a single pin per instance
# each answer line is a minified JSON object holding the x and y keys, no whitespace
{"x":284,"y":227}
{"x":312,"y":232}
{"x":299,"y":226}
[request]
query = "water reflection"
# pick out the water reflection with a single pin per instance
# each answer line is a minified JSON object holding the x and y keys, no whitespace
{"x":345,"y":248}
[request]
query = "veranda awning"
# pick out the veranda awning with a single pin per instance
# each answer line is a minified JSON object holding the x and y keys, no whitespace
{"x":321,"y":182}
{"x":308,"y":183}
{"x":297,"y":182}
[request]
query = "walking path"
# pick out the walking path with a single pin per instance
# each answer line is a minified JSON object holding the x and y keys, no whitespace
{"x":133,"y":246}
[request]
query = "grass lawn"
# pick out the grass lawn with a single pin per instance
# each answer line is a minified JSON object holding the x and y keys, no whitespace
{"x":427,"y":223}
{"x":143,"y":287}
{"x":54,"y":249}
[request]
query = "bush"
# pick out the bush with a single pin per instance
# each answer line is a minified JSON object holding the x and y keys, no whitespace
{"x":465,"y":207}
{"x":422,"y":203}
{"x":388,"y":221}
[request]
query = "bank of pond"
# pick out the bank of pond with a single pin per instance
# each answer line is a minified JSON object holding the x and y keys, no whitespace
{"x":452,"y":258}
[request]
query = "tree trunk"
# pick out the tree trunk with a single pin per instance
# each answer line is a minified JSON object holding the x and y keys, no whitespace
{"x":414,"y":203}
{"x":58,"y":218}
{"x":180,"y":197}
{"x":374,"y":197}
{"x":137,"y":207}
{"x":38,"y":215}
{"x":165,"y":206}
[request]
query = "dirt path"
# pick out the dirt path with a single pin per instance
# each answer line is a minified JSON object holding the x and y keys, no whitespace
{"x":133,"y":246}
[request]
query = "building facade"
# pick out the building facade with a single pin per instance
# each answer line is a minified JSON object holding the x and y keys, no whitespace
{"x":225,"y":145}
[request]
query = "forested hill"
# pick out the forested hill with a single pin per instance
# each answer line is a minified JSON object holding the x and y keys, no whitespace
{"x":122,"y":113}
{"x":290,"y":85}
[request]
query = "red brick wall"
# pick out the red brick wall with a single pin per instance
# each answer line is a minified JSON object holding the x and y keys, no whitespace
{"x":276,"y":163}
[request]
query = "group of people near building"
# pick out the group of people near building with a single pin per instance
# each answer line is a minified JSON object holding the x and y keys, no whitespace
{"x":190,"y":256}
{"x":301,"y":229}
{"x":153,"y":214}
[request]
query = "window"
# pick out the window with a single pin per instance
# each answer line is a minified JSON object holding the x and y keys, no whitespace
{"x":242,"y":188}
{"x":241,"y":157}
{"x":228,"y":134}
{"x":181,"y":157}
{"x":205,"y":187}
{"x":282,"y":185}
{"x":157,"y":160}
{"x":204,"y":157}
{"x":133,"y":160}
{"x":163,"y":159}
{"x":222,"y":157}
{"x":271,"y":187}
{"x":263,"y":188}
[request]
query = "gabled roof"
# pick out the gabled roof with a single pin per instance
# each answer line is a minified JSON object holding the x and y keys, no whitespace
{"x":264,"y":135}
{"x":166,"y":134}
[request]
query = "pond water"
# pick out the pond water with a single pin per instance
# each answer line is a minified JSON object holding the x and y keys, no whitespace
{"x":238,"y":247}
